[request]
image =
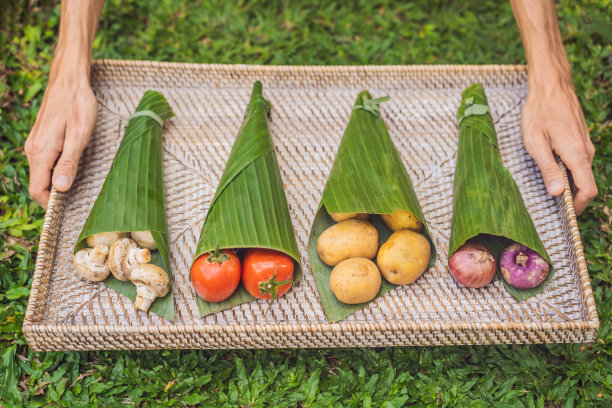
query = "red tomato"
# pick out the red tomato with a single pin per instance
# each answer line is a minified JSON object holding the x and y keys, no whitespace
{"x":267,"y":274}
{"x":216,"y":276}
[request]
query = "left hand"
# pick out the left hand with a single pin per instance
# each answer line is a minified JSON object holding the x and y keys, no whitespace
{"x":552,"y":122}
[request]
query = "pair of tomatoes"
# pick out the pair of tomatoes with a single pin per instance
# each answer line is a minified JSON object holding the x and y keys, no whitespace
{"x":265,"y":273}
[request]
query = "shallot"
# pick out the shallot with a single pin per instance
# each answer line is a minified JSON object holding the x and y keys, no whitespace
{"x":472,"y":265}
{"x":522,"y":267}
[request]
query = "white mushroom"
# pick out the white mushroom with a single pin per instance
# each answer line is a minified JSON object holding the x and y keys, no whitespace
{"x":151,"y":282}
{"x":90,"y":263}
{"x":144,"y":239}
{"x":105,"y":238}
{"x":124,"y":256}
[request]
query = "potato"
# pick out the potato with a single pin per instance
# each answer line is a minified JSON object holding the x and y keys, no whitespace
{"x":404,"y":257}
{"x":401,"y":220}
{"x":347,"y":239}
{"x":355,"y":280}
{"x":339,"y":217}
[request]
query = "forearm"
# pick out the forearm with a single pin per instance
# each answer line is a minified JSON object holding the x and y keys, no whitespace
{"x":547,"y":63}
{"x":78,"y":25}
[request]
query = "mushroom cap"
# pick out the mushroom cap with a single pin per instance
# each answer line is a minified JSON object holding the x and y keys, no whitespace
{"x":144,"y":239}
{"x":90,"y":263}
{"x":153,"y":277}
{"x":105,"y":238}
{"x":124,"y":255}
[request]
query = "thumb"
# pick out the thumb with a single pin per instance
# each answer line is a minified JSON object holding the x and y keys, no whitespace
{"x":541,"y":152}
{"x":65,"y":170}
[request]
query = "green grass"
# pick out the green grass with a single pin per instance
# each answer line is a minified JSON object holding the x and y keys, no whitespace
{"x":314,"y":32}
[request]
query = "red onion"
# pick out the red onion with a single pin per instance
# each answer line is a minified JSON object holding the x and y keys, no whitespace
{"x":522,"y":267}
{"x":472,"y":265}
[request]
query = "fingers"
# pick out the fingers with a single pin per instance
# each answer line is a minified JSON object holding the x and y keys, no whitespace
{"x":66,"y":168}
{"x":540,"y":150}
{"x":577,"y":161}
{"x":41,"y":157}
{"x":590,"y":149}
{"x":40,"y":174}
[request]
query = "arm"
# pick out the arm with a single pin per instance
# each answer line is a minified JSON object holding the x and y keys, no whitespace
{"x":552,"y":120}
{"x":69,"y":109}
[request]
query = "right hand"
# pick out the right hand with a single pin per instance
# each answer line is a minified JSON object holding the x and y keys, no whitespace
{"x":63,"y":128}
{"x":553,"y":123}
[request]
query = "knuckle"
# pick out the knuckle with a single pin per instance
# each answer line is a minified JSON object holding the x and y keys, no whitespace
{"x":590,"y":150}
{"x":592,"y":192}
{"x":33,"y":192}
{"x":27,"y":148}
{"x":34,"y":148}
{"x":81,"y":135}
{"x":548,"y":167}
{"x":582,"y":159}
{"x":532,"y":145}
{"x":69,"y":163}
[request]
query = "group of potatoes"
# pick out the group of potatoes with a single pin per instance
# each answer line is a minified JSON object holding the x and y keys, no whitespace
{"x":350,"y":245}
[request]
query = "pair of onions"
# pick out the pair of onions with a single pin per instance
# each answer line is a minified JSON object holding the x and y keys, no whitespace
{"x":473,"y":265}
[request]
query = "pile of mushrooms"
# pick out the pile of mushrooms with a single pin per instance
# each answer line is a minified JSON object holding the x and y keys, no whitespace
{"x":128,"y":260}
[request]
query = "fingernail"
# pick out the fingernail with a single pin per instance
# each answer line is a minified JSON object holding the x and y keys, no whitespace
{"x":555,"y":186}
{"x":61,"y":181}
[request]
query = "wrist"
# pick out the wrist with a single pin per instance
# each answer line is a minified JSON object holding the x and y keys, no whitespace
{"x":549,"y":71}
{"x":70,"y":65}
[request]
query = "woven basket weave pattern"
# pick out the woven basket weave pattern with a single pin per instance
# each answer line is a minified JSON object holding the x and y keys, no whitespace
{"x":311,"y":108}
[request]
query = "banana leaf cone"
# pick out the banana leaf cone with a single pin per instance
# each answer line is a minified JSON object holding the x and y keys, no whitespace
{"x":132,"y":197}
{"x":487,"y":203}
{"x":367,"y":176}
{"x":249,"y":208}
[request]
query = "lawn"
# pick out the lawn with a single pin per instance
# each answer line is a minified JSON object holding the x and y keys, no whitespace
{"x":299,"y":32}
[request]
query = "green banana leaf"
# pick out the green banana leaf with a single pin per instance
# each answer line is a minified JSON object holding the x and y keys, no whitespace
{"x":487,"y":203}
{"x":249,"y":209}
{"x":132,"y":197}
{"x":367,"y":176}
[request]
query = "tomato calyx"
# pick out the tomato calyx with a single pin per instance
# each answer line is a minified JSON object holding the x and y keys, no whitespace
{"x":218,"y":256}
{"x":270,"y":286}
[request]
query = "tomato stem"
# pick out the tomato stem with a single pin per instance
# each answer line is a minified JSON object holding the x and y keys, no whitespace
{"x":218,"y":256}
{"x":270,"y":287}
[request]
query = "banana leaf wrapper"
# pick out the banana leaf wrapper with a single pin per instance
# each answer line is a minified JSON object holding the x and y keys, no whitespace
{"x":249,"y":208}
{"x":487,"y":203}
{"x":132,"y":197}
{"x":368,"y":176}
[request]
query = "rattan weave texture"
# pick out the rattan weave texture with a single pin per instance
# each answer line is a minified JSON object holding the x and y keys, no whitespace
{"x":311,"y":107}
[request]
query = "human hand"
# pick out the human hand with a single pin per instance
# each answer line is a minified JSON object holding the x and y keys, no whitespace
{"x":552,"y":122}
{"x":63,"y":128}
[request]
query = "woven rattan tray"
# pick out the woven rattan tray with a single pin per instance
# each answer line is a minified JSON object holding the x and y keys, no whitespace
{"x":312,"y":106}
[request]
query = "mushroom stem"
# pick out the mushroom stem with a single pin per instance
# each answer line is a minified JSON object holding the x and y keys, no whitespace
{"x":139,"y":256}
{"x":151,"y":282}
{"x":124,"y":256}
{"x":98,"y":254}
{"x":144,"y":298}
{"x":90,"y":263}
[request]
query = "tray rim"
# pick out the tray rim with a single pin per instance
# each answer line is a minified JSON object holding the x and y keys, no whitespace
{"x":47,"y":247}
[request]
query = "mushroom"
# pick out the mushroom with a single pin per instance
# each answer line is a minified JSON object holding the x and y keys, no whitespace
{"x":90,"y":263}
{"x":105,"y":238}
{"x":124,"y":256}
{"x":144,"y":239}
{"x":151,"y":282}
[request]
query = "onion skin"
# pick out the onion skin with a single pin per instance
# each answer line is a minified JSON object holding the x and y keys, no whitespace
{"x":472,"y":265}
{"x":522,"y":267}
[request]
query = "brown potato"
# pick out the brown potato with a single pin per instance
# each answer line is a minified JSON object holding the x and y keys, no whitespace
{"x":404,"y":257}
{"x":347,"y":239}
{"x":402,"y":219}
{"x":339,"y":217}
{"x":355,"y":280}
